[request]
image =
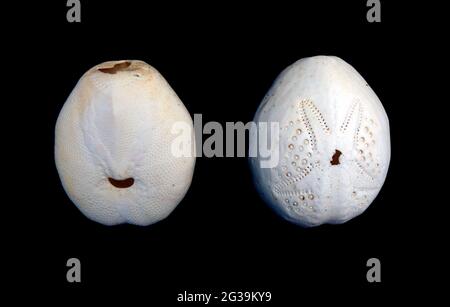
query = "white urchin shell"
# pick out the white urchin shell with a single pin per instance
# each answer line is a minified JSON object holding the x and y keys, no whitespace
{"x":326,"y":112}
{"x":113,"y":145}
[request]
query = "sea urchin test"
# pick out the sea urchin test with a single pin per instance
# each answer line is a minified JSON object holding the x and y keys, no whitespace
{"x":334,"y":144}
{"x":113,"y":145}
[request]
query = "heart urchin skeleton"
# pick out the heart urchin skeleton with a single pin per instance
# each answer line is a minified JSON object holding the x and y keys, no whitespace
{"x":333,"y":145}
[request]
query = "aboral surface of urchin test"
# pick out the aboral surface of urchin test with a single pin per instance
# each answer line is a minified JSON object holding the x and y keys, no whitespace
{"x":113,"y":145}
{"x":334,"y":143}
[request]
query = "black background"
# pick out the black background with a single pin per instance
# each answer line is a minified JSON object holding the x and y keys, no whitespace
{"x":220,"y":58}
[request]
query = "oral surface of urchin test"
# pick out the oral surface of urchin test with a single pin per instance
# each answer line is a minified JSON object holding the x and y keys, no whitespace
{"x":334,"y":143}
{"x":113,"y":145}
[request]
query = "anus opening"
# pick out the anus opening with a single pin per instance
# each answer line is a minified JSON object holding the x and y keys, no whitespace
{"x":121,"y":184}
{"x":117,"y":67}
{"x":335,"y":157}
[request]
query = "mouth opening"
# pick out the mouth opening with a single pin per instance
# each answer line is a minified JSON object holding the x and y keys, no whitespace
{"x":117,"y":67}
{"x":121,"y":184}
{"x":335,"y":157}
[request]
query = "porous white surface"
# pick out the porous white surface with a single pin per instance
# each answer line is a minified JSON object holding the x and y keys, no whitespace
{"x":322,"y":105}
{"x":118,"y":125}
